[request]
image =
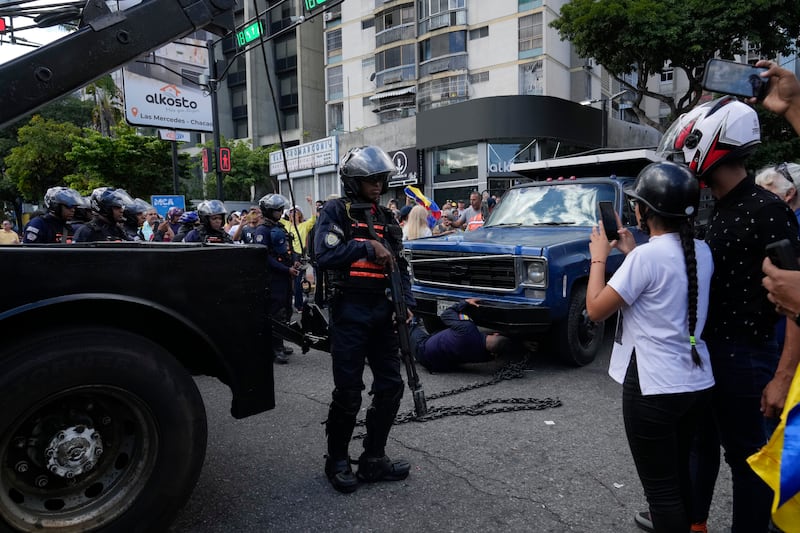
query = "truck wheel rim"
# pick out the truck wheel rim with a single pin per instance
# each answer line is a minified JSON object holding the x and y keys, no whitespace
{"x":76,"y":460}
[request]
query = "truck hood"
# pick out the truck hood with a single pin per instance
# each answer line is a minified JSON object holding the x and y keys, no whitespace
{"x":504,"y":240}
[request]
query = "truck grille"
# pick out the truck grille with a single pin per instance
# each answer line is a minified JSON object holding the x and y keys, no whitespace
{"x":478,"y":272}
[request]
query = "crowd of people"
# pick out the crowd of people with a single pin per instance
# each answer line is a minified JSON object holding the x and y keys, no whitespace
{"x":702,"y":367}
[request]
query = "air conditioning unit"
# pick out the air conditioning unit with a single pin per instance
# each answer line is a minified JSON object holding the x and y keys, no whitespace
{"x":327,"y":16}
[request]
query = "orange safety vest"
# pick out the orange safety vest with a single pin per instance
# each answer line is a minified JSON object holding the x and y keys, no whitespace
{"x":475,"y":222}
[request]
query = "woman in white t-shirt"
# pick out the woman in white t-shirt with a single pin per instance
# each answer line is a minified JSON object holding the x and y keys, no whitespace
{"x":662,"y":290}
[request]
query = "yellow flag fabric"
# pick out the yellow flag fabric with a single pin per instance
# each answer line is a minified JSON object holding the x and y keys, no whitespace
{"x":778,"y":463}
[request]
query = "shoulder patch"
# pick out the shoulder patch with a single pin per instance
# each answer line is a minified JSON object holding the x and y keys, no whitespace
{"x":259,"y":238}
{"x":332,"y":239}
{"x":336,"y":229}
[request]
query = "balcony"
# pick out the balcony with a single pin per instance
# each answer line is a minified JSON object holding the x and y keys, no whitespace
{"x":443,"y":64}
{"x":395,"y":75}
{"x":398,"y":33}
{"x":443,"y":20}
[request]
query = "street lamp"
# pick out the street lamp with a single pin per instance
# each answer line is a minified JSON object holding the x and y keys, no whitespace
{"x":604,"y":102}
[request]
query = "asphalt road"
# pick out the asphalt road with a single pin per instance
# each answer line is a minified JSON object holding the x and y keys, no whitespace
{"x":560,"y":469}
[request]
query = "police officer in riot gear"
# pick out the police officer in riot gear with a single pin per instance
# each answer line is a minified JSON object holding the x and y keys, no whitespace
{"x":283,"y":264}
{"x":212,"y":217}
{"x":52,"y":227}
{"x":187,"y":221}
{"x":133,"y":214}
{"x":354,"y":264}
{"x":108,"y":205}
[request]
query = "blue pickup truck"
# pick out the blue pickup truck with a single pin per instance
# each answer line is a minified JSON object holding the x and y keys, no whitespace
{"x":529,"y":263}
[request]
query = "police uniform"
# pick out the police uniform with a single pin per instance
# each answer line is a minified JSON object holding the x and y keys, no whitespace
{"x":47,"y":228}
{"x":281,"y":259}
{"x":204,"y":234}
{"x":99,"y":229}
{"x":361,"y":329}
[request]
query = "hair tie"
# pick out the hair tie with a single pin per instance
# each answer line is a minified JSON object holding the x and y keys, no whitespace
{"x":692,"y":340}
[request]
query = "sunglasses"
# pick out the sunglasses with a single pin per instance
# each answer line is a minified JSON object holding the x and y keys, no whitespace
{"x":783,"y":169}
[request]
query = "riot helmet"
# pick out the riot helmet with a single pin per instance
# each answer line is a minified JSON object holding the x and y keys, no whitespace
{"x":270,"y":203}
{"x":365,"y":163}
{"x":104,"y":199}
{"x":132,"y":211}
{"x":61,"y":196}
{"x":712,"y":133}
{"x":209,"y":208}
{"x":669,"y":189}
{"x":83,"y":211}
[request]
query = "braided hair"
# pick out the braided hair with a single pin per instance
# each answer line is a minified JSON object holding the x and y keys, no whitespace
{"x":685,"y":229}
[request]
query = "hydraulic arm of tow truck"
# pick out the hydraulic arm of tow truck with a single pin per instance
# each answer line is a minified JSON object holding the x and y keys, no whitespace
{"x":104,"y":41}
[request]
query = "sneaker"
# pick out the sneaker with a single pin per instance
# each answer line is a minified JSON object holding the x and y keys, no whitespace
{"x":340,"y":475}
{"x":371,"y":469}
{"x":288,"y":350}
{"x":699,"y":527}
{"x":643,"y":520}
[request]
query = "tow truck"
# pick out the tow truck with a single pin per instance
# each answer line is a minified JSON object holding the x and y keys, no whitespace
{"x":102,"y":427}
{"x":529,"y":263}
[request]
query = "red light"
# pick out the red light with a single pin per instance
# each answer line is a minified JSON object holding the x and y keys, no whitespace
{"x":225,"y":159}
{"x":2,"y":25}
{"x":206,"y":166}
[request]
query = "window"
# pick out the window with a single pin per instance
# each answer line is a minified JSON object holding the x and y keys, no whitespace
{"x":335,"y":117}
{"x":480,"y":77}
{"x":394,"y":57}
{"x":290,"y":121}
{"x":286,"y":47}
{"x":367,"y":23}
{"x":428,"y":8}
{"x":335,"y":85}
{"x":442,"y":45}
{"x":531,"y":78}
{"x":333,"y":40}
{"x":479,"y":33}
{"x":238,"y":96}
{"x":394,"y":18}
{"x":461,"y":161}
{"x":240,"y":128}
{"x":288,"y":85}
{"x":667,"y":74}
{"x":530,"y":32}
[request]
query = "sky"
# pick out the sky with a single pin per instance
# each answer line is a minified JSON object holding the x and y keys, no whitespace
{"x":36,"y":35}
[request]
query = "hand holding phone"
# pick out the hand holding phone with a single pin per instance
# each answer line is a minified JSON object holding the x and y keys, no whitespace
{"x":609,"y":219}
{"x":738,"y":79}
{"x":782,"y":255}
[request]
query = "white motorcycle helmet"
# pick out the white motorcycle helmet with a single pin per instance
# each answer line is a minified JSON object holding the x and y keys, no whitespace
{"x":712,"y":133}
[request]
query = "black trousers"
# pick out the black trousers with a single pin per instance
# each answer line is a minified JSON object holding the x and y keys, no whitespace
{"x":660,"y":429}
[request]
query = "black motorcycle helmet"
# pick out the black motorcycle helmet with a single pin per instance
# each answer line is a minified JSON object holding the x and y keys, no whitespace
{"x":272,"y":202}
{"x":55,"y":197}
{"x":134,"y":209}
{"x":105,"y":198}
{"x":668,"y":189}
{"x":365,"y":162}
{"x":208,"y":209}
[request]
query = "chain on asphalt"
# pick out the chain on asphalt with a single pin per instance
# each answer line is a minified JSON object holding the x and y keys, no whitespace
{"x":512,"y":370}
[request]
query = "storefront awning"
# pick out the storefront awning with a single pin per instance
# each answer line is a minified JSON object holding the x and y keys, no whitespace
{"x":396,"y":92}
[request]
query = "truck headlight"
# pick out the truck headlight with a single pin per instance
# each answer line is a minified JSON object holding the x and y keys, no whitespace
{"x":536,"y":273}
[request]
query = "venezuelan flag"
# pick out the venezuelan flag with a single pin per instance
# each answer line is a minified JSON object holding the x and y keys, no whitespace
{"x":416,"y":195}
{"x":778,"y":463}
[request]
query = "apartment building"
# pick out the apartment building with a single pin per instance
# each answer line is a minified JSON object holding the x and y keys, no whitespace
{"x":454,"y":90}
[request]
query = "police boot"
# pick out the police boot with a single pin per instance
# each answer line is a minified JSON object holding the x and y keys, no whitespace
{"x":279,"y":354}
{"x":374,"y":465}
{"x":339,"y":430}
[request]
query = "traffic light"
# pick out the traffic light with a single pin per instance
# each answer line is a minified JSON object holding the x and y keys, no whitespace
{"x":206,"y":166}
{"x":2,"y":25}
{"x":225,"y":159}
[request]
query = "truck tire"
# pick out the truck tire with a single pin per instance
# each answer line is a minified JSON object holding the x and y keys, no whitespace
{"x":580,"y":339}
{"x":100,"y":429}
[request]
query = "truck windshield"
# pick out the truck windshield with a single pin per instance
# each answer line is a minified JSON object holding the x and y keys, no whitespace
{"x":562,"y":203}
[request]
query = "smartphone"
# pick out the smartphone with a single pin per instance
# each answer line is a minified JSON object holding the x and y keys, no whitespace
{"x":782,"y":255}
{"x":608,"y":216}
{"x":739,"y":79}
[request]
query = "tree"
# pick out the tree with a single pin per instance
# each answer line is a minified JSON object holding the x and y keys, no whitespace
{"x":106,"y":112}
{"x":249,"y":175}
{"x":38,"y":162}
{"x":140,"y":165}
{"x":644,"y":36}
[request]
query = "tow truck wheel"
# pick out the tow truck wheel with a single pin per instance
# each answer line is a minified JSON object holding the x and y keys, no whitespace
{"x":579,"y":338}
{"x":100,"y":428}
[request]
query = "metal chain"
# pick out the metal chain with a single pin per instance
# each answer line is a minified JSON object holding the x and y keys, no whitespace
{"x":512,"y":370}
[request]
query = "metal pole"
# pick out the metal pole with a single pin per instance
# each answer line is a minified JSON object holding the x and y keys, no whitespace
{"x":212,"y":82}
{"x":174,"y":167}
{"x":604,"y":125}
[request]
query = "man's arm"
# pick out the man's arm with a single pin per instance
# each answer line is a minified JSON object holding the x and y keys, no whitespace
{"x":783,"y":97}
{"x":774,"y":395}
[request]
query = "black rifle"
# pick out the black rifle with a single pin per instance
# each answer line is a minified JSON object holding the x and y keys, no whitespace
{"x":400,"y":315}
